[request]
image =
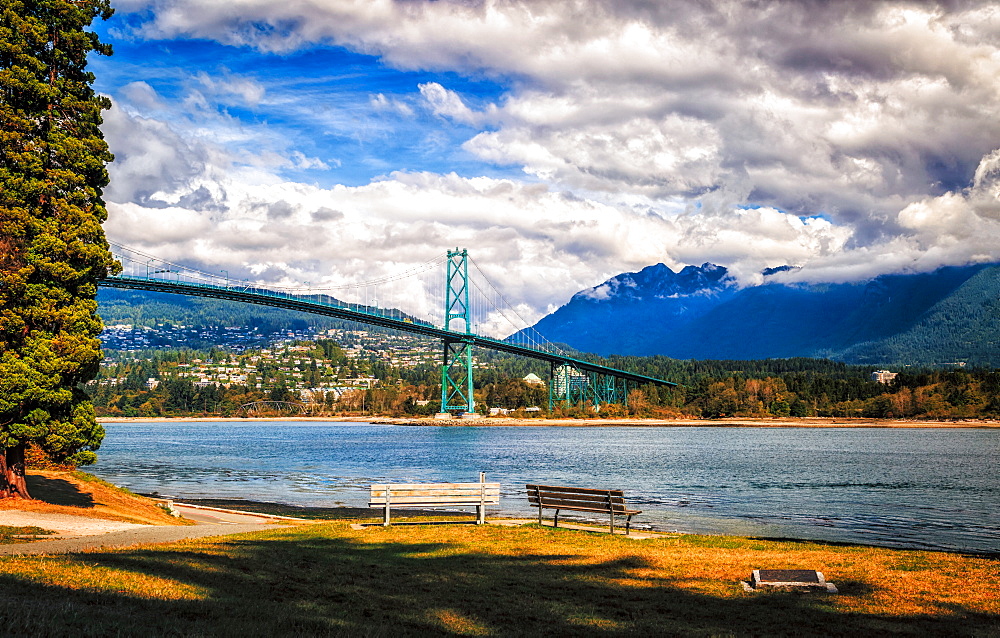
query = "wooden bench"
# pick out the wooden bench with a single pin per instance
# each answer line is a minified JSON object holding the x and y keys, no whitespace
{"x":421,"y":495}
{"x":580,"y":499}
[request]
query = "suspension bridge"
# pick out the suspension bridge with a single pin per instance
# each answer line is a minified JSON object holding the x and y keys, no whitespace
{"x":466,"y":319}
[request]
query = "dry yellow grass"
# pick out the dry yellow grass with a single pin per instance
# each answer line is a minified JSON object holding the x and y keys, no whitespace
{"x":86,"y":577}
{"x":874,"y":580}
{"x":493,"y":580}
{"x":81,"y":494}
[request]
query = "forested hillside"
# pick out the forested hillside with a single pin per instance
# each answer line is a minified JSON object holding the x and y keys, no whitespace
{"x":314,"y":374}
{"x":140,"y":308}
{"x":963,"y":327}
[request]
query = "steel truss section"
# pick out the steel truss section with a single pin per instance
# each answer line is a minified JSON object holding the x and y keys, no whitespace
{"x":608,"y":389}
{"x":571,"y":386}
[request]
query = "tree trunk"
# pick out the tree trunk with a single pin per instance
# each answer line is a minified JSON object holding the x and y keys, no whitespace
{"x":12,"y":481}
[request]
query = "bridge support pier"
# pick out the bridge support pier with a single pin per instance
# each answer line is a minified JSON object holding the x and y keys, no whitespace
{"x":456,"y":365}
{"x":456,"y":378}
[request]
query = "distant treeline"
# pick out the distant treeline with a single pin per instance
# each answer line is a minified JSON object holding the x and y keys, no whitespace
{"x":925,"y":395}
{"x":802,"y":387}
{"x":708,"y":389}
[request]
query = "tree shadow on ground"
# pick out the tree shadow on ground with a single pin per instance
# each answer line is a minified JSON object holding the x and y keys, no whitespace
{"x":323,"y":585}
{"x":317,"y":513}
{"x":57,"y":491}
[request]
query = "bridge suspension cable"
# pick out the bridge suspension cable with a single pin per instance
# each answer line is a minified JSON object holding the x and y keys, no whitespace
{"x":395,"y":295}
{"x":392,"y":295}
{"x":132,"y":258}
{"x":522,"y":332}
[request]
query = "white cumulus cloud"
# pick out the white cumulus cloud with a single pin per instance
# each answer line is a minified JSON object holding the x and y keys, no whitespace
{"x":850,"y":139}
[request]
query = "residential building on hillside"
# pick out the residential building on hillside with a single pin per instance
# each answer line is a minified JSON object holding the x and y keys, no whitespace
{"x":883,"y":376}
{"x":533,"y":379}
{"x":568,"y":380}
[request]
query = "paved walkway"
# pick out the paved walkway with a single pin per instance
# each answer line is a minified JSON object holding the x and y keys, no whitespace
{"x":78,"y":533}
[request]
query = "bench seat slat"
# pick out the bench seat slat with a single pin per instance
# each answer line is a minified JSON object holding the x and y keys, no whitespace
{"x":590,"y":509}
{"x":380,"y":498}
{"x":593,"y":507}
{"x":449,"y":492}
{"x":565,"y":502}
{"x":428,"y":500}
{"x":597,"y":503}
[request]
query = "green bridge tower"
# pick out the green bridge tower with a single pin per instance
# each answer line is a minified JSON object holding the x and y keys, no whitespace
{"x":456,"y":368}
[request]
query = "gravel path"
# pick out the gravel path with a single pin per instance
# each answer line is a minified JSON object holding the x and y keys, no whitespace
{"x":78,"y":533}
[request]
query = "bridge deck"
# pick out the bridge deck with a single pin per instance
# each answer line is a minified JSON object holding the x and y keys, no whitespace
{"x":278,"y":300}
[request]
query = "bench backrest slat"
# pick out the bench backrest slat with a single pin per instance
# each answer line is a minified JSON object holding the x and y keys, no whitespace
{"x":421,"y":486}
{"x":572,"y":490}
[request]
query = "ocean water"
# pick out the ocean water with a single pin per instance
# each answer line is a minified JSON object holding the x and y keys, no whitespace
{"x":918,"y":488}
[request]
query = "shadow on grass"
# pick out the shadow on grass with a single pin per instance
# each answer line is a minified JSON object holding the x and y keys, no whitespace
{"x":281,"y":509}
{"x":967,"y":554}
{"x":310,"y":583}
{"x":57,"y":491}
{"x":329,"y":513}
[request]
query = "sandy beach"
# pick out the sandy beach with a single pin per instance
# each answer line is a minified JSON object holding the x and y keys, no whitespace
{"x":809,"y":422}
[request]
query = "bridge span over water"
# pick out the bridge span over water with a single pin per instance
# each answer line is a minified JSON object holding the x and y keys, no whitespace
{"x":572,"y":380}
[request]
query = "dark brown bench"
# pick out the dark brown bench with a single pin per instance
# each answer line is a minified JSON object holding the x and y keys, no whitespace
{"x":580,"y":499}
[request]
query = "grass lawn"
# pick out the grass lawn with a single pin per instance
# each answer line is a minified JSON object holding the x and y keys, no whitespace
{"x":329,"y":579}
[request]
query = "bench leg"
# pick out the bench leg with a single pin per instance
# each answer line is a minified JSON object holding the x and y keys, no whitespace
{"x":555,"y":520}
{"x":539,"y":515}
{"x":628,"y":523}
{"x":385,"y":518}
{"x":612,"y":522}
{"x":480,"y":514}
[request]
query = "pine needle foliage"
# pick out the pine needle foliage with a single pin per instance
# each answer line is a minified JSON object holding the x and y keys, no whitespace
{"x":53,"y":251}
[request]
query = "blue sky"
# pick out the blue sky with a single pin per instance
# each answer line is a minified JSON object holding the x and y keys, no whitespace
{"x":563,"y":143}
{"x":322,"y":102}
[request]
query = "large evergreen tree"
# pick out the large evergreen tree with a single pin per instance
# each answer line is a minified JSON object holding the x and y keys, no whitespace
{"x":52,"y":246}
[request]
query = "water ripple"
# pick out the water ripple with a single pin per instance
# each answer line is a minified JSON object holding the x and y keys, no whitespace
{"x":922,"y":488}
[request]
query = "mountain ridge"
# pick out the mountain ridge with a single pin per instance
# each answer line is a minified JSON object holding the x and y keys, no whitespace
{"x":899,"y":319}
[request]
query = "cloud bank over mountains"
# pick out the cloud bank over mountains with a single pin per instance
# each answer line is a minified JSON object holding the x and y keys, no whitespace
{"x":562,"y":142}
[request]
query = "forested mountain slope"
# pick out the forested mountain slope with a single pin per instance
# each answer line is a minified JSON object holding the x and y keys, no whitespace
{"x":143,"y":308}
{"x":946,"y":316}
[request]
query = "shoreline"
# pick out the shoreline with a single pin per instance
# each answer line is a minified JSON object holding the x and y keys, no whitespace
{"x":804,"y":422}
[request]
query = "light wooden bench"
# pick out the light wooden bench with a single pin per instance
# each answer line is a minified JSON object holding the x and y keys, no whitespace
{"x":421,"y":495}
{"x":580,"y":499}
